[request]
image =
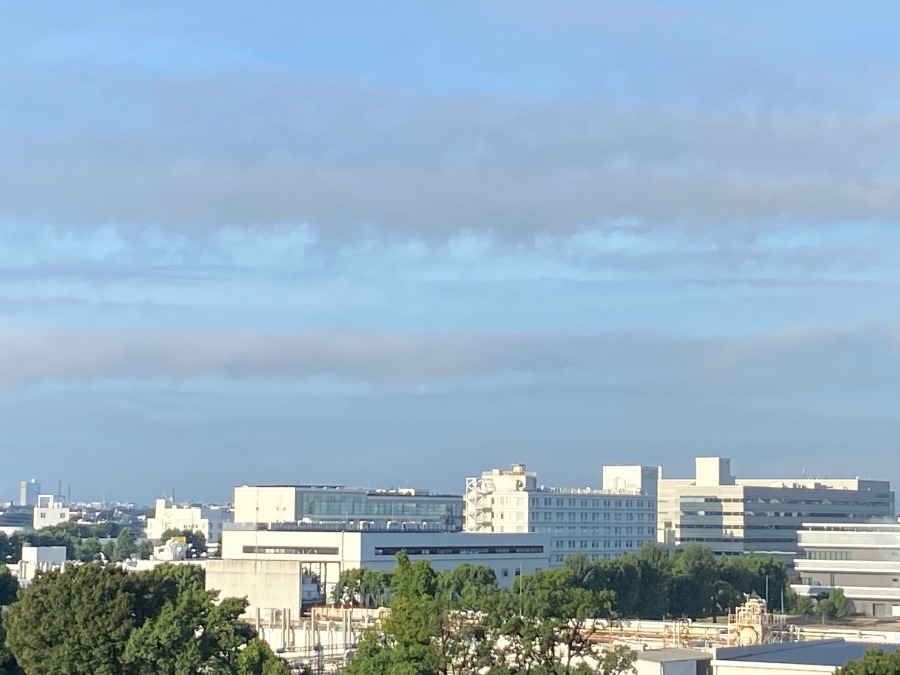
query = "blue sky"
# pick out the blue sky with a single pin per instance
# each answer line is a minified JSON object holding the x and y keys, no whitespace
{"x":400,"y":243}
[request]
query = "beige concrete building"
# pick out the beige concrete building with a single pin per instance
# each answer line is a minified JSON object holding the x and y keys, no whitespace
{"x":738,"y":515}
{"x":208,"y":520}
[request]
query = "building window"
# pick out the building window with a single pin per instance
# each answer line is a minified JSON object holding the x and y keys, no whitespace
{"x":504,"y":573}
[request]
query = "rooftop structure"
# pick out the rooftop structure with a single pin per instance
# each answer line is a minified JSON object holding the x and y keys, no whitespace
{"x":600,"y":523}
{"x":863,"y":559}
{"x":737,"y":515}
{"x":356,"y":508}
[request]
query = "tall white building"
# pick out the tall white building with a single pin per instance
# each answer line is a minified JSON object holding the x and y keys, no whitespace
{"x":29,"y":490}
{"x":598,"y":523}
{"x":50,"y":510}
{"x":737,"y":515}
{"x":208,"y":520}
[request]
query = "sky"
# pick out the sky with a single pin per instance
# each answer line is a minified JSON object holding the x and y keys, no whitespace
{"x":391,"y":244}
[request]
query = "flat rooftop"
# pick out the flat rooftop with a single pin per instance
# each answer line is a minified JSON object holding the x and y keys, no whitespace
{"x":378,"y":492}
{"x":815,"y":653}
{"x":673,"y":654}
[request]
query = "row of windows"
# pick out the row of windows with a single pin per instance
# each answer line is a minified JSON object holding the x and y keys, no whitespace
{"x":595,"y":531}
{"x":458,"y":550}
{"x":765,"y":514}
{"x":876,"y":500}
{"x":633,"y":503}
{"x":291,"y":550}
{"x":606,"y":543}
{"x":829,"y":555}
{"x":593,"y":517}
{"x":742,"y":540}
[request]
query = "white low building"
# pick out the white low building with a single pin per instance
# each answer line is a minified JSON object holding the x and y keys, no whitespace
{"x":50,"y":510}
{"x":40,"y":559}
{"x":268,"y":565}
{"x":208,"y":520}
{"x":862,"y":559}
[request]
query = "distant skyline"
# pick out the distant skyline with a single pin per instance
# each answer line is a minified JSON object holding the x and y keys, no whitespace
{"x":387,"y":244}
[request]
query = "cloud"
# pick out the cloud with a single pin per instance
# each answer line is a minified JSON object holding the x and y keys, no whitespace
{"x":775,"y":364}
{"x":267,"y":148}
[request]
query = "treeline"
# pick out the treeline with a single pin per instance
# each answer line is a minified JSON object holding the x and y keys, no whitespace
{"x":103,"y":620}
{"x":651,"y":584}
{"x":540,"y":627}
{"x":83,"y":542}
{"x":107,"y":542}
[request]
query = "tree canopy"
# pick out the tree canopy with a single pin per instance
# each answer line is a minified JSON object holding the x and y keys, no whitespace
{"x":874,"y":662}
{"x":103,"y":620}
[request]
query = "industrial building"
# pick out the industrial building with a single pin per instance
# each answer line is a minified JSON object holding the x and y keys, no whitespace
{"x":739,"y":515}
{"x":600,"y":523}
{"x":335,"y":504}
{"x":208,"y":520}
{"x":863,"y":559}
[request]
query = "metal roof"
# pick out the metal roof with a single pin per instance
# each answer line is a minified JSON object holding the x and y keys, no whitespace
{"x":814,"y":653}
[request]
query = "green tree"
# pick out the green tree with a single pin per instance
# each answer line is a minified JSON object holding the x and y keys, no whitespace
{"x":408,"y":645}
{"x":873,"y":662}
{"x":76,"y":622}
{"x":546,"y":619}
{"x":834,"y":606}
{"x":804,"y":606}
{"x":9,"y":586}
{"x":363,"y":587}
{"x":8,"y":665}
{"x":87,"y":550}
{"x":693,"y":583}
{"x":106,"y":621}
{"x":466,"y":586}
{"x":258,"y":659}
{"x":655,"y":566}
{"x":125,"y":546}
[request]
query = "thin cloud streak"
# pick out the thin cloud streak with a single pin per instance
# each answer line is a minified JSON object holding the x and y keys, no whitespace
{"x":773,"y":363}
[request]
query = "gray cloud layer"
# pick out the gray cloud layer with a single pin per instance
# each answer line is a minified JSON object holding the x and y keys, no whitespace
{"x":264,"y":148}
{"x":769,"y":363}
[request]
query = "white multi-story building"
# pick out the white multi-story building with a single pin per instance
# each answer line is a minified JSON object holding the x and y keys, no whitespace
{"x":598,"y":523}
{"x":863,"y":559}
{"x":738,"y":515}
{"x":208,"y":520}
{"x":50,"y":510}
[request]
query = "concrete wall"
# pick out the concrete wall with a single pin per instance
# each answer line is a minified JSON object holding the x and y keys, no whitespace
{"x":265,"y":504}
{"x":267,"y":584}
